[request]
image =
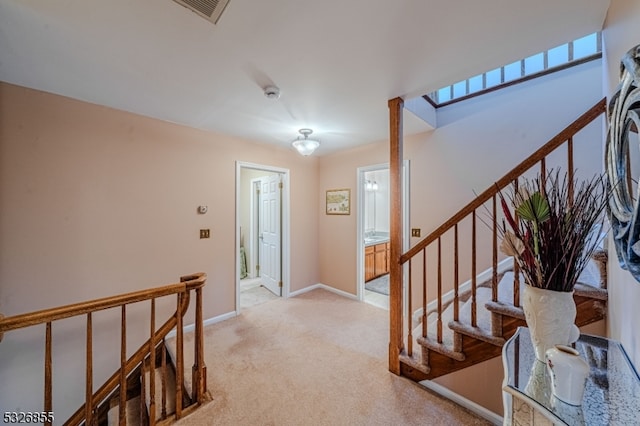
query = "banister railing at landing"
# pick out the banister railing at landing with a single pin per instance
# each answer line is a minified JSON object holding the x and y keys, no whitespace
{"x":511,"y":178}
{"x":118,"y":381}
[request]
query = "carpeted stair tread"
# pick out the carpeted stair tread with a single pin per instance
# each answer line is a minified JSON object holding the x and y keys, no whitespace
{"x":431,"y":340}
{"x":505,"y":305}
{"x":483,"y":316}
{"x":477,"y":333}
{"x":443,"y":348}
{"x":590,"y":291}
{"x":449,"y":345}
{"x":415,"y":361}
{"x":170,"y":391}
{"x":133,"y":413}
{"x":505,"y":309}
{"x":187,"y":358}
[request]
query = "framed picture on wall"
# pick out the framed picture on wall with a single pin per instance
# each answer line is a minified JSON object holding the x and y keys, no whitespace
{"x":339,"y":201}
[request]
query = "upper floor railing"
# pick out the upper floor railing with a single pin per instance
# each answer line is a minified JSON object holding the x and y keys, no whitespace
{"x":118,"y":382}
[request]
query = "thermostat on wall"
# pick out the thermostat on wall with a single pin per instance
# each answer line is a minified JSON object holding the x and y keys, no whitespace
{"x":202,"y":209}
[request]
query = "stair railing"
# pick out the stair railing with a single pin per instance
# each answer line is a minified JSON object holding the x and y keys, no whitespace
{"x":118,"y":382}
{"x":419,"y":253}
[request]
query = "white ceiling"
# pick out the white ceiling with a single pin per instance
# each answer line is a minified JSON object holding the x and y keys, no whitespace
{"x":336,"y":62}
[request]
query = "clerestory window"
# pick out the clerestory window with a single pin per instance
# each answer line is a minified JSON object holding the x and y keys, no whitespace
{"x":576,"y":52}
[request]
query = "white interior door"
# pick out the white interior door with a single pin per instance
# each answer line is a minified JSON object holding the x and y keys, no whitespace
{"x":270,"y":235}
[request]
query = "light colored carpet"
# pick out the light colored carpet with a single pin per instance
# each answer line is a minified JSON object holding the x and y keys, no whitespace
{"x":252,"y":293}
{"x":316,"y":359}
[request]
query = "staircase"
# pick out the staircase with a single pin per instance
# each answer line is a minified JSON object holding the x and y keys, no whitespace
{"x":454,"y":322}
{"x":150,"y":386}
{"x":139,"y":409}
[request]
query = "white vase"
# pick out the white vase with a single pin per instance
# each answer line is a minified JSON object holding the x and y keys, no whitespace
{"x":550,"y":317}
{"x":569,"y":373}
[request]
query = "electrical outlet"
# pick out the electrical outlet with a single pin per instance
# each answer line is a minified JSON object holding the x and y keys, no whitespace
{"x":415,"y":232}
{"x":204,"y":233}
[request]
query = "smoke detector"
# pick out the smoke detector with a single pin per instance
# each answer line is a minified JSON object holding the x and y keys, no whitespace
{"x":272,"y":92}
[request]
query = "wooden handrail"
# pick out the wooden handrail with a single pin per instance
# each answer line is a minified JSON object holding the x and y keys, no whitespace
{"x":191,"y":282}
{"x":49,"y":315}
{"x":529,"y":162}
{"x":86,"y":413}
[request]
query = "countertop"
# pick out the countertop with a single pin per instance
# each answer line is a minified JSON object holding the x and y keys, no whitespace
{"x":380,"y":238}
{"x":612,"y":393}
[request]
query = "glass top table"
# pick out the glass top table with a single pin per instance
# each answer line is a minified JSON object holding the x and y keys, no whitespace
{"x":612,"y":392}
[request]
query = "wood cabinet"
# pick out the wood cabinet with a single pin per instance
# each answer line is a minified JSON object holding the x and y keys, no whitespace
{"x":369,"y":263}
{"x":376,"y":261}
{"x":381,"y":254}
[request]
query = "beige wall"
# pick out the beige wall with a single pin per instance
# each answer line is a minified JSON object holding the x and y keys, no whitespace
{"x":96,"y":202}
{"x":337,"y":240}
{"x":621,"y":33}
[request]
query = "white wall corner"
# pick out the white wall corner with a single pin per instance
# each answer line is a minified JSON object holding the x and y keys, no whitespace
{"x":418,"y":107}
{"x":324,"y":287}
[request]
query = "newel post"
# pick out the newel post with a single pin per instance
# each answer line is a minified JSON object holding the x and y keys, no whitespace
{"x":199,"y":369}
{"x":396,"y":344}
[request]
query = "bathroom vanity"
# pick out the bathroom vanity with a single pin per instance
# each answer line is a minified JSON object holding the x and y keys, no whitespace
{"x":376,"y":257}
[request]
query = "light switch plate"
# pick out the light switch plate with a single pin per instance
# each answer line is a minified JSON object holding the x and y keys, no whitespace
{"x":415,"y":232}
{"x":204,"y":233}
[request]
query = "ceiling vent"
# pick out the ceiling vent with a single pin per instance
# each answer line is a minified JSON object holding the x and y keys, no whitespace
{"x":208,"y":9}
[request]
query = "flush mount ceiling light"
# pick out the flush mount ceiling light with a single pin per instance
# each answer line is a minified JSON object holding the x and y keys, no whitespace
{"x":305,"y":146}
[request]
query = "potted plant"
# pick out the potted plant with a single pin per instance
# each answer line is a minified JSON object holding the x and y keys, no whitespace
{"x":552,"y":227}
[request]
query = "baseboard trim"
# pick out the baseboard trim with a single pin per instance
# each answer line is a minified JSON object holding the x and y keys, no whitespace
{"x":324,"y":287}
{"x":304,"y":290}
{"x":464,"y":402}
{"x":191,"y":327}
{"x":228,"y":315}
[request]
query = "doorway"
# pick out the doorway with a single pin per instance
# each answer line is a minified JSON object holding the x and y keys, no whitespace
{"x":262,"y":234}
{"x":373,"y":231}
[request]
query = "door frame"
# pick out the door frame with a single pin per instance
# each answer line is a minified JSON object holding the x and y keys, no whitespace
{"x":285,"y":255}
{"x":254,"y":227}
{"x":360,"y":221}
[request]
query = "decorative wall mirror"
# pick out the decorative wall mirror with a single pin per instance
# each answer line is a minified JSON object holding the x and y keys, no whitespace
{"x":622,"y":151}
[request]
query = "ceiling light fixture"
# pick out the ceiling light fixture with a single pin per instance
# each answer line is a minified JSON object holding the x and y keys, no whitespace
{"x":305,"y":146}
